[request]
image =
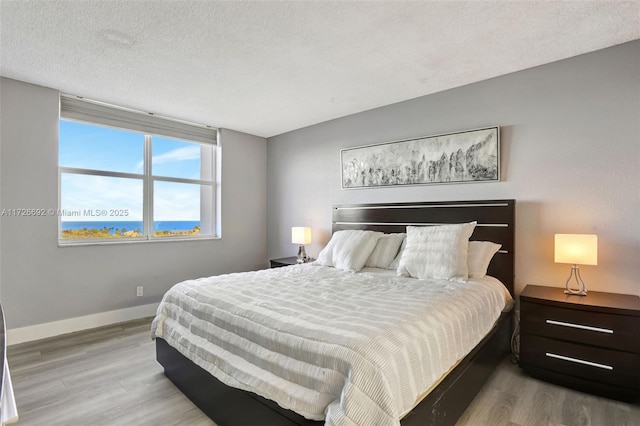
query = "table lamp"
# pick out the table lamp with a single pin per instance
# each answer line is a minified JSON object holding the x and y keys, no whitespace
{"x":576,"y":249}
{"x":301,"y":235}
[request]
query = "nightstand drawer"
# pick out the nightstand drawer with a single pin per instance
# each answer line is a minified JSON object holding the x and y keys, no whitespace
{"x":593,"y":328}
{"x":601,"y":365}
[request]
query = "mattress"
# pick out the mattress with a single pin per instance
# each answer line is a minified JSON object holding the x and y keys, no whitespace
{"x":346,"y":348}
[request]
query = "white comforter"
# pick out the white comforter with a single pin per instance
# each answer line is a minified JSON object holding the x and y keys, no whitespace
{"x":353,"y":349}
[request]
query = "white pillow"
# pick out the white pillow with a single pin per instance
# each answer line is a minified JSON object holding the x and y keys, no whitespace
{"x":385,"y":251}
{"x":396,"y":261}
{"x":479,"y":256}
{"x":348,"y":250}
{"x":437,"y":252}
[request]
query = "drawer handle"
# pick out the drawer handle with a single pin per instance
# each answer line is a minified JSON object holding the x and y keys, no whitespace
{"x":579,"y":361}
{"x":580,"y":326}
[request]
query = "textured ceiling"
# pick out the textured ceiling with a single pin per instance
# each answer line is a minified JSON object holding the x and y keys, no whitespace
{"x":266,"y":67}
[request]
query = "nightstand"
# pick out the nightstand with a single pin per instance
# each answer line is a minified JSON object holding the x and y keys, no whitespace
{"x":284,"y":261}
{"x":589,"y":343}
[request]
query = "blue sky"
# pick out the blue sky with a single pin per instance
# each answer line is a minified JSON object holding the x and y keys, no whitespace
{"x":101,"y":148}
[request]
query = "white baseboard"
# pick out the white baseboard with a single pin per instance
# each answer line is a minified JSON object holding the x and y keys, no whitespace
{"x":56,"y":328}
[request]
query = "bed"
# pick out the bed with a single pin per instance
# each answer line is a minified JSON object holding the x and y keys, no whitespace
{"x":237,"y":402}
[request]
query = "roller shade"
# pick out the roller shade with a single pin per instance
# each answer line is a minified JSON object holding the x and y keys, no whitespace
{"x":99,"y":113}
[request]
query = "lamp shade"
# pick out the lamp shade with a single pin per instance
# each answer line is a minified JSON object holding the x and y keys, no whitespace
{"x":300,"y":235}
{"x":578,"y":249}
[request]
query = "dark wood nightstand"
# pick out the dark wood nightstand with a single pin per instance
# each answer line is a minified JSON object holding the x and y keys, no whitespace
{"x":589,"y":343}
{"x":284,"y":261}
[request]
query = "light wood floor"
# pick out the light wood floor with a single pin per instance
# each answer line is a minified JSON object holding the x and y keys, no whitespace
{"x":109,"y":376}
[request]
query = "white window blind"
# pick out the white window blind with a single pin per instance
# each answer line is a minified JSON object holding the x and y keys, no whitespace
{"x":74,"y":108}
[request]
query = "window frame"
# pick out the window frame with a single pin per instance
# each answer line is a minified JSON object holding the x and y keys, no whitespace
{"x":169,"y":128}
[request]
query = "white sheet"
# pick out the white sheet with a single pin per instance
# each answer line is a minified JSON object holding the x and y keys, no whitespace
{"x":8,"y":408}
{"x":353,"y":349}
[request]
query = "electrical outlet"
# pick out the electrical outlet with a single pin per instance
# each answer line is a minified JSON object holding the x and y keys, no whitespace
{"x":139,"y":291}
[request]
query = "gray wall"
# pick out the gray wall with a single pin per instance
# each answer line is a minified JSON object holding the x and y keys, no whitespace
{"x":42,"y":282}
{"x":570,"y":157}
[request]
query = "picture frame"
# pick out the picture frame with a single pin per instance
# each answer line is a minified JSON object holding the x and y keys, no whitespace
{"x":468,"y":156}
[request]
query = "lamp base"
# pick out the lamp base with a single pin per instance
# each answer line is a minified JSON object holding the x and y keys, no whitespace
{"x":576,"y":293}
{"x":302,"y":255}
{"x":582,"y":289}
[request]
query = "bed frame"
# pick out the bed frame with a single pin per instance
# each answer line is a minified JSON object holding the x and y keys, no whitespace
{"x":447,"y":401}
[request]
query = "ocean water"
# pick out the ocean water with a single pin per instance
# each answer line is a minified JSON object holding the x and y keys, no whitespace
{"x":175,"y":225}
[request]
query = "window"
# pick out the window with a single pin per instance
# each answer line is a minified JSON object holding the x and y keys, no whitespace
{"x":130,"y":176}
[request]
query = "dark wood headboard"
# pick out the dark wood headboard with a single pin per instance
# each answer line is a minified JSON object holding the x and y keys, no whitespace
{"x":496,"y":222}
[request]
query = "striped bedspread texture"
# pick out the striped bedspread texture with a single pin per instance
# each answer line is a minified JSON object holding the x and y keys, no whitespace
{"x":346,"y":348}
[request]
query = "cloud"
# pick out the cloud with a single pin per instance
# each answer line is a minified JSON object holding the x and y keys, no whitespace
{"x":176,"y":201}
{"x":175,"y":155}
{"x":88,"y":194}
{"x":180,"y":154}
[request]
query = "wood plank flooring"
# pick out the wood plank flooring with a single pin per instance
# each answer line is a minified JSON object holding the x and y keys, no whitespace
{"x":109,"y":376}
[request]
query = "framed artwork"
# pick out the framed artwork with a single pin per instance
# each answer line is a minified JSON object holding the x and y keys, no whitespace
{"x":460,"y":157}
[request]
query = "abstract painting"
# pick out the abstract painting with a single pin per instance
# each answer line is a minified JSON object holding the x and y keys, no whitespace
{"x":460,"y":157}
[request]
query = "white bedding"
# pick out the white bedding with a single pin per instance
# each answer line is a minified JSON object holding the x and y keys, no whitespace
{"x":350,"y":348}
